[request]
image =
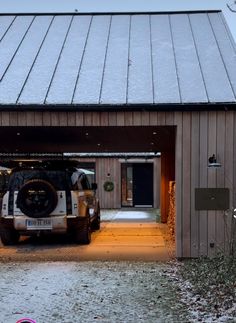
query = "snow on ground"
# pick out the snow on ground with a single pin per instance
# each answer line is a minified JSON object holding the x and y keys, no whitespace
{"x":200,"y":305}
{"x":103,"y":291}
{"x":88,"y":292}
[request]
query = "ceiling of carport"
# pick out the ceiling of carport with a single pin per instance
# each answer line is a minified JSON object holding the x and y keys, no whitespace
{"x":87,"y":139}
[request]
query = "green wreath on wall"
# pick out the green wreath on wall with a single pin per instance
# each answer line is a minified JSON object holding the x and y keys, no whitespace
{"x":108,"y":186}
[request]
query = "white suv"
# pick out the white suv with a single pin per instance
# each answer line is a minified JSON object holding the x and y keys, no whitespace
{"x":52,"y":196}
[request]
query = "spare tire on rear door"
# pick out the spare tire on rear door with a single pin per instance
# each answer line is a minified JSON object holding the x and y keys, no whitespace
{"x":37,"y":198}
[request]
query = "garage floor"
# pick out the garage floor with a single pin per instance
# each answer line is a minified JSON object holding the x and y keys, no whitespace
{"x":124,"y":235}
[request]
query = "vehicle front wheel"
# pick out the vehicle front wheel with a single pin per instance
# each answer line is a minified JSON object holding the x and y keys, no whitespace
{"x":9,"y":236}
{"x":83,"y":232}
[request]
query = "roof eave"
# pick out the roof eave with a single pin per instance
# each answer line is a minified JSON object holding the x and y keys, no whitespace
{"x":218,"y":106}
{"x":107,"y":13}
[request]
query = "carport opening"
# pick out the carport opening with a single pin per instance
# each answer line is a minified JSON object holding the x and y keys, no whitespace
{"x":139,"y":185}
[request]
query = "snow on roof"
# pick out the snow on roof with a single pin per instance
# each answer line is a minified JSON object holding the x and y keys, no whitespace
{"x":116,"y":59}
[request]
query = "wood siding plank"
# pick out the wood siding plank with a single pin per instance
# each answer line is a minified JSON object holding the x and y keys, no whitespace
{"x":79,"y":119}
{"x":120,"y":118}
{"x":169,"y":118}
{"x":112,"y":118}
{"x":88,"y":118}
{"x":63,"y":121}
{"x":22,"y":121}
{"x":96,"y":119}
{"x":195,"y":148}
{"x":46,"y":119}
{"x":145,"y":121}
{"x":13,"y":119}
{"x":153,"y":118}
{"x":104,"y":119}
{"x":220,"y":177}
{"x":71,"y":119}
{"x":178,"y":119}
{"x":128,"y":118}
{"x":203,"y":157}
{"x":55,"y":119}
{"x":186,"y":181}
{"x":38,"y":118}
{"x":137,"y":118}
{"x":5,"y":118}
{"x":162,"y":118}
{"x":30,"y":118}
{"x":229,"y":144}
{"x":212,"y":131}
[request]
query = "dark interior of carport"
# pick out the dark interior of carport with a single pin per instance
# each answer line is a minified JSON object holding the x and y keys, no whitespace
{"x":102,"y":139}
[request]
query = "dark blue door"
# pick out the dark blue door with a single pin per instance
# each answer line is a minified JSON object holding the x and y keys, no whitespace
{"x":143,"y":185}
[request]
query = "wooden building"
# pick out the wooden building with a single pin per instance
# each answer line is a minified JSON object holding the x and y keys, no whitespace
{"x":135,"y":179}
{"x":130,"y":83}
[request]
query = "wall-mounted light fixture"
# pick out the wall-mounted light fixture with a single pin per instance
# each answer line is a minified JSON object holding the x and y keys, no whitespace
{"x":212,"y":162}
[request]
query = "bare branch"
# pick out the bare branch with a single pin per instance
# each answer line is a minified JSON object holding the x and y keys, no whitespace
{"x":230,"y":8}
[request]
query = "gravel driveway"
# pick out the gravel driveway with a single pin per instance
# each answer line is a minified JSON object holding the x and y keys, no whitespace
{"x":88,"y":292}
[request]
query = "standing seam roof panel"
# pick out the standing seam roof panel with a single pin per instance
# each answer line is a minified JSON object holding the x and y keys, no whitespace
{"x":37,"y":84}
{"x":11,"y":41}
{"x":19,"y":68}
{"x":91,"y":73}
{"x":215,"y":77}
{"x":140,"y":82}
{"x":189,"y":73}
{"x":115,"y":74}
{"x":227,"y":50}
{"x":166,"y":89}
{"x":103,"y":59}
{"x":5,"y":23}
{"x":64,"y":81}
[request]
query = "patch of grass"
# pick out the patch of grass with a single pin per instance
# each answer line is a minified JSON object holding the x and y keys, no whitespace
{"x":214,"y":281}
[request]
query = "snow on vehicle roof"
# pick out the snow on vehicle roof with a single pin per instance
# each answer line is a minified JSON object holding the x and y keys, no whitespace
{"x":81,"y":60}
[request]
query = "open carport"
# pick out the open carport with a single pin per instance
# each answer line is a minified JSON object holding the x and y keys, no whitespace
{"x":129,"y":82}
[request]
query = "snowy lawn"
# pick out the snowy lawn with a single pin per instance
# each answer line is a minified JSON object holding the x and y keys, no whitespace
{"x":208,"y":287}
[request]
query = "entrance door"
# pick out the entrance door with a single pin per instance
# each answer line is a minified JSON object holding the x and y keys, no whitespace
{"x":143,"y":185}
{"x":137,"y":184}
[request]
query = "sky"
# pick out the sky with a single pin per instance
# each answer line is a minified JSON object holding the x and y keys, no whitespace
{"x":17,"y":6}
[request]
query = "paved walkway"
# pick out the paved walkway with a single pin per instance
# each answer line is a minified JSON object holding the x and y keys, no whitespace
{"x":124,"y":235}
{"x":131,"y":235}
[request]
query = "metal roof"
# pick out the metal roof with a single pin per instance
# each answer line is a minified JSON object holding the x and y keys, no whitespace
{"x":73,"y":60}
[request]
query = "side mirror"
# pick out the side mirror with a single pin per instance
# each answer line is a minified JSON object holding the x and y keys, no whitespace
{"x":94,"y":186}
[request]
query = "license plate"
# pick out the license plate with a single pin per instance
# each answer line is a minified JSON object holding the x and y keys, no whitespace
{"x":39,"y":224}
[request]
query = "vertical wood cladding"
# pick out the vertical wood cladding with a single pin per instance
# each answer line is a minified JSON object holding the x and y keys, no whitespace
{"x":198,"y":136}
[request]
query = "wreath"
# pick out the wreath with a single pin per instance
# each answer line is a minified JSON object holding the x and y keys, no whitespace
{"x":108,"y":186}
